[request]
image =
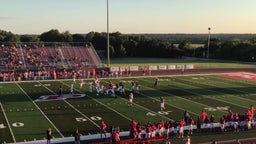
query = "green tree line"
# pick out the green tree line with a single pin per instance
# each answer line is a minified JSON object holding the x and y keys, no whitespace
{"x":238,"y":47}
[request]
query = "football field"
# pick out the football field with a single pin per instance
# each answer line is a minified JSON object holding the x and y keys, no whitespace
{"x":24,"y":118}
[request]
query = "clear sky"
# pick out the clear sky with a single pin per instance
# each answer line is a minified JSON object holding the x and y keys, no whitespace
{"x":128,"y":16}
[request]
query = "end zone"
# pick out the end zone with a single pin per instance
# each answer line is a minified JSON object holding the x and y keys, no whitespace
{"x":240,"y":75}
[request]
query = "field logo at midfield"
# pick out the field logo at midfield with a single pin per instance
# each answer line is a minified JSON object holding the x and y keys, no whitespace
{"x":57,"y":97}
{"x":240,"y":75}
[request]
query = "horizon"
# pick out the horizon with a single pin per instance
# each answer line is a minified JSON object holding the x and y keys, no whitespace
{"x":129,"y":16}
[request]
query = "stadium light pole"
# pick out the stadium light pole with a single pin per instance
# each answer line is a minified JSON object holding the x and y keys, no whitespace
{"x":208,"y":44}
{"x":108,"y":35}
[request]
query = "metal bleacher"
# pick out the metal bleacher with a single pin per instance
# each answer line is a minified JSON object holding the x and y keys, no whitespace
{"x":24,"y":57}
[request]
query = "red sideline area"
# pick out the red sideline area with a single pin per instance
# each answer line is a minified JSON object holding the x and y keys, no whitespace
{"x":144,"y":140}
{"x":240,"y":75}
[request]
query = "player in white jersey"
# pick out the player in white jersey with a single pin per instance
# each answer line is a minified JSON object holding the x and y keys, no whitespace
{"x":90,"y":87}
{"x":81,"y":83}
{"x":72,"y":89}
{"x":131,"y":98}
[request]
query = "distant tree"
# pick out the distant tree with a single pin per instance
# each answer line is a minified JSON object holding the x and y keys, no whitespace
{"x":66,"y":37}
{"x":78,"y":38}
{"x":8,"y":37}
{"x":99,"y":40}
{"x":51,"y":36}
{"x":131,"y":46}
{"x":28,"y":38}
{"x":89,"y":36}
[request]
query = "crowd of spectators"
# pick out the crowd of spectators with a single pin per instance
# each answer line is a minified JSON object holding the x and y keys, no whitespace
{"x":232,"y":122}
{"x":31,"y":56}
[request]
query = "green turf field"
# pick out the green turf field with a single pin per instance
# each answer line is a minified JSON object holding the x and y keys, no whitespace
{"x":23,"y":119}
{"x":198,"y":63}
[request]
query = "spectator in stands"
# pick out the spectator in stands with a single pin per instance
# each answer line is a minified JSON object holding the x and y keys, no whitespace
{"x":77,"y":136}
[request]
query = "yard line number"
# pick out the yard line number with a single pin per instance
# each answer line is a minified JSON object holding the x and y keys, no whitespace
{"x":82,"y":119}
{"x":16,"y":124}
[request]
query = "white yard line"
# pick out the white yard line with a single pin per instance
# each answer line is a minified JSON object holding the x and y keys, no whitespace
{"x":148,"y":109}
{"x":237,"y":91}
{"x":14,"y":140}
{"x":81,"y":113}
{"x":175,"y":96}
{"x":72,"y":107}
{"x":216,"y":98}
{"x":39,"y":109}
{"x":101,"y":103}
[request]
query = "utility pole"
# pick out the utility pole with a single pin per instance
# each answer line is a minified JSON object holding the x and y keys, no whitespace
{"x":208,"y":44}
{"x":108,"y":36}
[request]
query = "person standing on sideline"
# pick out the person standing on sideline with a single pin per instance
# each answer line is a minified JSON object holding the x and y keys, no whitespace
{"x":252,"y":110}
{"x":72,"y":89}
{"x":162,"y":107}
{"x":187,"y":140}
{"x":49,"y":135}
{"x":156,"y":82}
{"x":60,"y":91}
{"x":131,"y":98}
{"x":103,"y":127}
{"x":77,"y":136}
{"x":90,"y":87}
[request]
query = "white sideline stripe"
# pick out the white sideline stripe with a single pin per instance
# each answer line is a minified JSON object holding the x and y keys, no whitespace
{"x":7,"y":122}
{"x":72,"y":106}
{"x":97,"y":136}
{"x":100,"y":103}
{"x":39,"y":109}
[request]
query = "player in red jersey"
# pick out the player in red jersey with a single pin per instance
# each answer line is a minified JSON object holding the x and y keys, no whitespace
{"x":103,"y":127}
{"x":203,"y":115}
{"x":252,"y":110}
{"x":182,"y":124}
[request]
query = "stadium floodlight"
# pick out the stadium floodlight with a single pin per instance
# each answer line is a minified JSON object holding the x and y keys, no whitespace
{"x":208,"y":44}
{"x":108,"y":56}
